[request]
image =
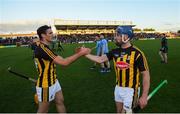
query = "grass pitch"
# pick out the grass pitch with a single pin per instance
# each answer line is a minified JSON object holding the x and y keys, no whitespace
{"x":88,"y":90}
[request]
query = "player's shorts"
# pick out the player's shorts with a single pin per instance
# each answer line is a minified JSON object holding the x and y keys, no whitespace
{"x":48,"y":94}
{"x":126,"y":96}
{"x":164,"y":50}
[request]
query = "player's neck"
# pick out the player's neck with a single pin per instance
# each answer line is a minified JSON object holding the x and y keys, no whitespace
{"x":45,"y":42}
{"x":126,"y":45}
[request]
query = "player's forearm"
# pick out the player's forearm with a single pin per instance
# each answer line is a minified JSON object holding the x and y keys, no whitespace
{"x":71,"y":59}
{"x":66,"y":61}
{"x":146,"y":83}
{"x":94,"y":58}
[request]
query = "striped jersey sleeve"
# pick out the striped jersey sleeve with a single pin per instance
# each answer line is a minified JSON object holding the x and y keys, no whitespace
{"x":142,"y":63}
{"x":47,"y":53}
{"x":111,"y":54}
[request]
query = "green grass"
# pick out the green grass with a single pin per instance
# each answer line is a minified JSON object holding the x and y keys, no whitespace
{"x":86,"y":90}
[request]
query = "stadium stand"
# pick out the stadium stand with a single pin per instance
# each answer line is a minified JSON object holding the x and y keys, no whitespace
{"x":80,"y":31}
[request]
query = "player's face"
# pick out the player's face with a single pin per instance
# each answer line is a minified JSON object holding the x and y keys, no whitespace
{"x":118,"y":39}
{"x":101,"y":36}
{"x":49,"y":35}
{"x":97,"y":38}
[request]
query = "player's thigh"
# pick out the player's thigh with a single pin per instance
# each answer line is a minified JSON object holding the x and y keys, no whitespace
{"x":59,"y":98}
{"x":124,"y":95}
{"x":119,"y":106}
{"x":58,"y":92}
{"x":43,"y":104}
{"x":118,"y":94}
{"x":160,"y":52}
{"x":42,"y":94}
{"x":165,"y":50}
{"x":128,"y":99}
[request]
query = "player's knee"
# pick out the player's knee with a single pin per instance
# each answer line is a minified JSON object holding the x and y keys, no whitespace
{"x":59,"y":102}
{"x":43,"y":108}
{"x":40,"y":110}
{"x":160,"y":53}
{"x":119,"y":110}
{"x":128,"y":111}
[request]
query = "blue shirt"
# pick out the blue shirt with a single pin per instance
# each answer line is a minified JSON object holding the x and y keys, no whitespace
{"x":104,"y":45}
{"x":98,"y":47}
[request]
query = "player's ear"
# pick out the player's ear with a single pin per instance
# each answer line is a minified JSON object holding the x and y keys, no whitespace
{"x":43,"y":35}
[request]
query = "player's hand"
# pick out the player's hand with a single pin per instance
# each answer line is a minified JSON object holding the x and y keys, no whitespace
{"x":83,"y":51}
{"x":143,"y":101}
{"x":78,"y":49}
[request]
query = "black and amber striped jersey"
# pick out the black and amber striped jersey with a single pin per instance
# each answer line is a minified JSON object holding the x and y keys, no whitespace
{"x":128,"y":63}
{"x":34,"y":45}
{"x":46,"y":68}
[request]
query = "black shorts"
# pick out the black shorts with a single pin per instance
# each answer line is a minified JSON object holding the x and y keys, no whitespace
{"x":164,"y":50}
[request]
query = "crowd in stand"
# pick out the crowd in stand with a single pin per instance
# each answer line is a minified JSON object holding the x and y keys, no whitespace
{"x":13,"y":41}
{"x":77,"y":38}
{"x":73,"y":38}
{"x":147,"y":35}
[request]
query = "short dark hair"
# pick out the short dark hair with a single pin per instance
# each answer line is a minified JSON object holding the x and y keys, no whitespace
{"x":101,"y":34}
{"x":42,"y":30}
{"x":97,"y":35}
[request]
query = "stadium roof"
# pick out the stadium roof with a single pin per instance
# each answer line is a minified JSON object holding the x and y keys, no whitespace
{"x":81,"y":26}
{"x":88,"y":24}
